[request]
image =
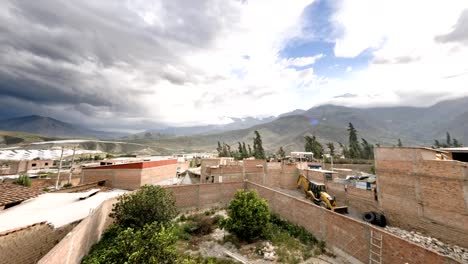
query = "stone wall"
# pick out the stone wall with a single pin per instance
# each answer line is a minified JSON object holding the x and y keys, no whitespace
{"x":29,"y":244}
{"x":418,"y":192}
{"x":343,"y":233}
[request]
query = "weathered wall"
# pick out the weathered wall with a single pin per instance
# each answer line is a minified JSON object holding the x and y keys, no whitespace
{"x":420,"y":193}
{"x":78,"y":242}
{"x":360,"y":200}
{"x":157,"y":174}
{"x":274,"y":174}
{"x":128,"y":179}
{"x":344,"y":233}
{"x":29,"y":244}
{"x":204,"y":195}
{"x":354,"y":167}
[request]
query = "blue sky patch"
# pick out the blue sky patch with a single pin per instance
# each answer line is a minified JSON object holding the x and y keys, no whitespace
{"x":319,"y":38}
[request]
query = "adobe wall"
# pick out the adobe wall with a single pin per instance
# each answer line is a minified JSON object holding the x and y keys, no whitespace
{"x":419,"y":193}
{"x":344,"y":233}
{"x":29,"y":244}
{"x":155,"y":175}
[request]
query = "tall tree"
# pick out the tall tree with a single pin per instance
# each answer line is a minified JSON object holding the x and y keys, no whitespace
{"x":239,"y":149}
{"x":245,"y":154}
{"x":281,"y":154}
{"x":367,"y":150}
{"x":449,"y":139}
{"x":437,"y":143}
{"x":331,"y":147}
{"x":258,"y":151}
{"x":456,"y":143}
{"x":219,"y":149}
{"x":344,"y":150}
{"x":399,"y":143}
{"x":354,"y":146}
{"x":250,"y":150}
{"x":312,"y":145}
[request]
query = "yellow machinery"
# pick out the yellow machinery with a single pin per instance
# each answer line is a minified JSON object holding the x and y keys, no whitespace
{"x":317,"y":193}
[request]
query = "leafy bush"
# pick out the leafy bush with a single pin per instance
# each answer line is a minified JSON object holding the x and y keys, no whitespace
{"x":152,"y":244}
{"x":249,"y":216}
{"x":67,"y":185}
{"x":149,"y":204}
{"x":23,"y":180}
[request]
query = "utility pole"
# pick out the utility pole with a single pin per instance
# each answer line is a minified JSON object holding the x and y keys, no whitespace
{"x":58,"y":173}
{"x":71,"y":166}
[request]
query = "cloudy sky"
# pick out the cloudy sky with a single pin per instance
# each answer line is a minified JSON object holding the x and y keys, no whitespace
{"x":132,"y":64}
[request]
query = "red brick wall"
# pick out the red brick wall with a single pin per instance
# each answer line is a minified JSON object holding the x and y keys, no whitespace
{"x":30,"y":244}
{"x":153,"y":175}
{"x":344,"y":233}
{"x":204,"y":195}
{"x":135,"y":165}
{"x":419,"y":193}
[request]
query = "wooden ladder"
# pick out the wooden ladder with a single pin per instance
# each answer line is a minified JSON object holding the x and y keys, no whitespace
{"x":375,"y":248}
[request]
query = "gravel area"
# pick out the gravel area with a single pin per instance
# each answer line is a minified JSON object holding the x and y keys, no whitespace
{"x":453,"y":251}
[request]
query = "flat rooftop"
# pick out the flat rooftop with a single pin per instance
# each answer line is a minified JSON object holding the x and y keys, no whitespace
{"x":58,"y":209}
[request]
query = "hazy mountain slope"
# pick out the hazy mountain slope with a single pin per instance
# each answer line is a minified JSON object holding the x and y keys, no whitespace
{"x":9,"y":138}
{"x":50,"y":127}
{"x":238,"y":123}
{"x":413,"y":125}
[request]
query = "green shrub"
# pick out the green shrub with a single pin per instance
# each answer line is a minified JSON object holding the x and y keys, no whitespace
{"x":23,"y":180}
{"x":249,"y":216}
{"x":149,"y":204}
{"x":190,"y":259}
{"x":152,"y":244}
{"x":68,"y":185}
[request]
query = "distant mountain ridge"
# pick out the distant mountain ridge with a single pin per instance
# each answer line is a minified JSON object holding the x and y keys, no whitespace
{"x":383,"y":125}
{"x":48,"y":126}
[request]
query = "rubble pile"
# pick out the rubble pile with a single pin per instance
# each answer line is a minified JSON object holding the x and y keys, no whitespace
{"x":269,"y":252}
{"x":453,"y":251}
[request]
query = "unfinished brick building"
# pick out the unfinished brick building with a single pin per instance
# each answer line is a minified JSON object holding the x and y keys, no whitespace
{"x":130,"y":176}
{"x":424,"y":189}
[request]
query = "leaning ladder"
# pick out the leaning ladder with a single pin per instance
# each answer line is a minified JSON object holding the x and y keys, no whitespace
{"x":375,"y":248}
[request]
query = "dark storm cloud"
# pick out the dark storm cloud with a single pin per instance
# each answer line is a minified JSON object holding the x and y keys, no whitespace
{"x":459,"y":32}
{"x":70,"y":54}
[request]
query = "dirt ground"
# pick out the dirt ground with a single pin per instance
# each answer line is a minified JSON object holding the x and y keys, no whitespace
{"x":215,"y":245}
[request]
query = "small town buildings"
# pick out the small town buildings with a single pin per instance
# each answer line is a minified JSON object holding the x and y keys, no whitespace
{"x":13,"y":167}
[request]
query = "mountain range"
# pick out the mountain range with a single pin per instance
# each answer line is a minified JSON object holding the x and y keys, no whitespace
{"x":329,"y":123}
{"x":51,"y":127}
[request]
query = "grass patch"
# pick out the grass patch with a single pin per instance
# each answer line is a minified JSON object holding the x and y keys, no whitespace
{"x":294,"y":243}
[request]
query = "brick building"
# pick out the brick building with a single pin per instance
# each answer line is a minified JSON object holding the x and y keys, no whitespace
{"x":10,"y":167}
{"x":131,"y":176}
{"x":424,"y":189}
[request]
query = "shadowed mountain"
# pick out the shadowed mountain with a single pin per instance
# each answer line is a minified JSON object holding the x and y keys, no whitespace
{"x":50,"y":127}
